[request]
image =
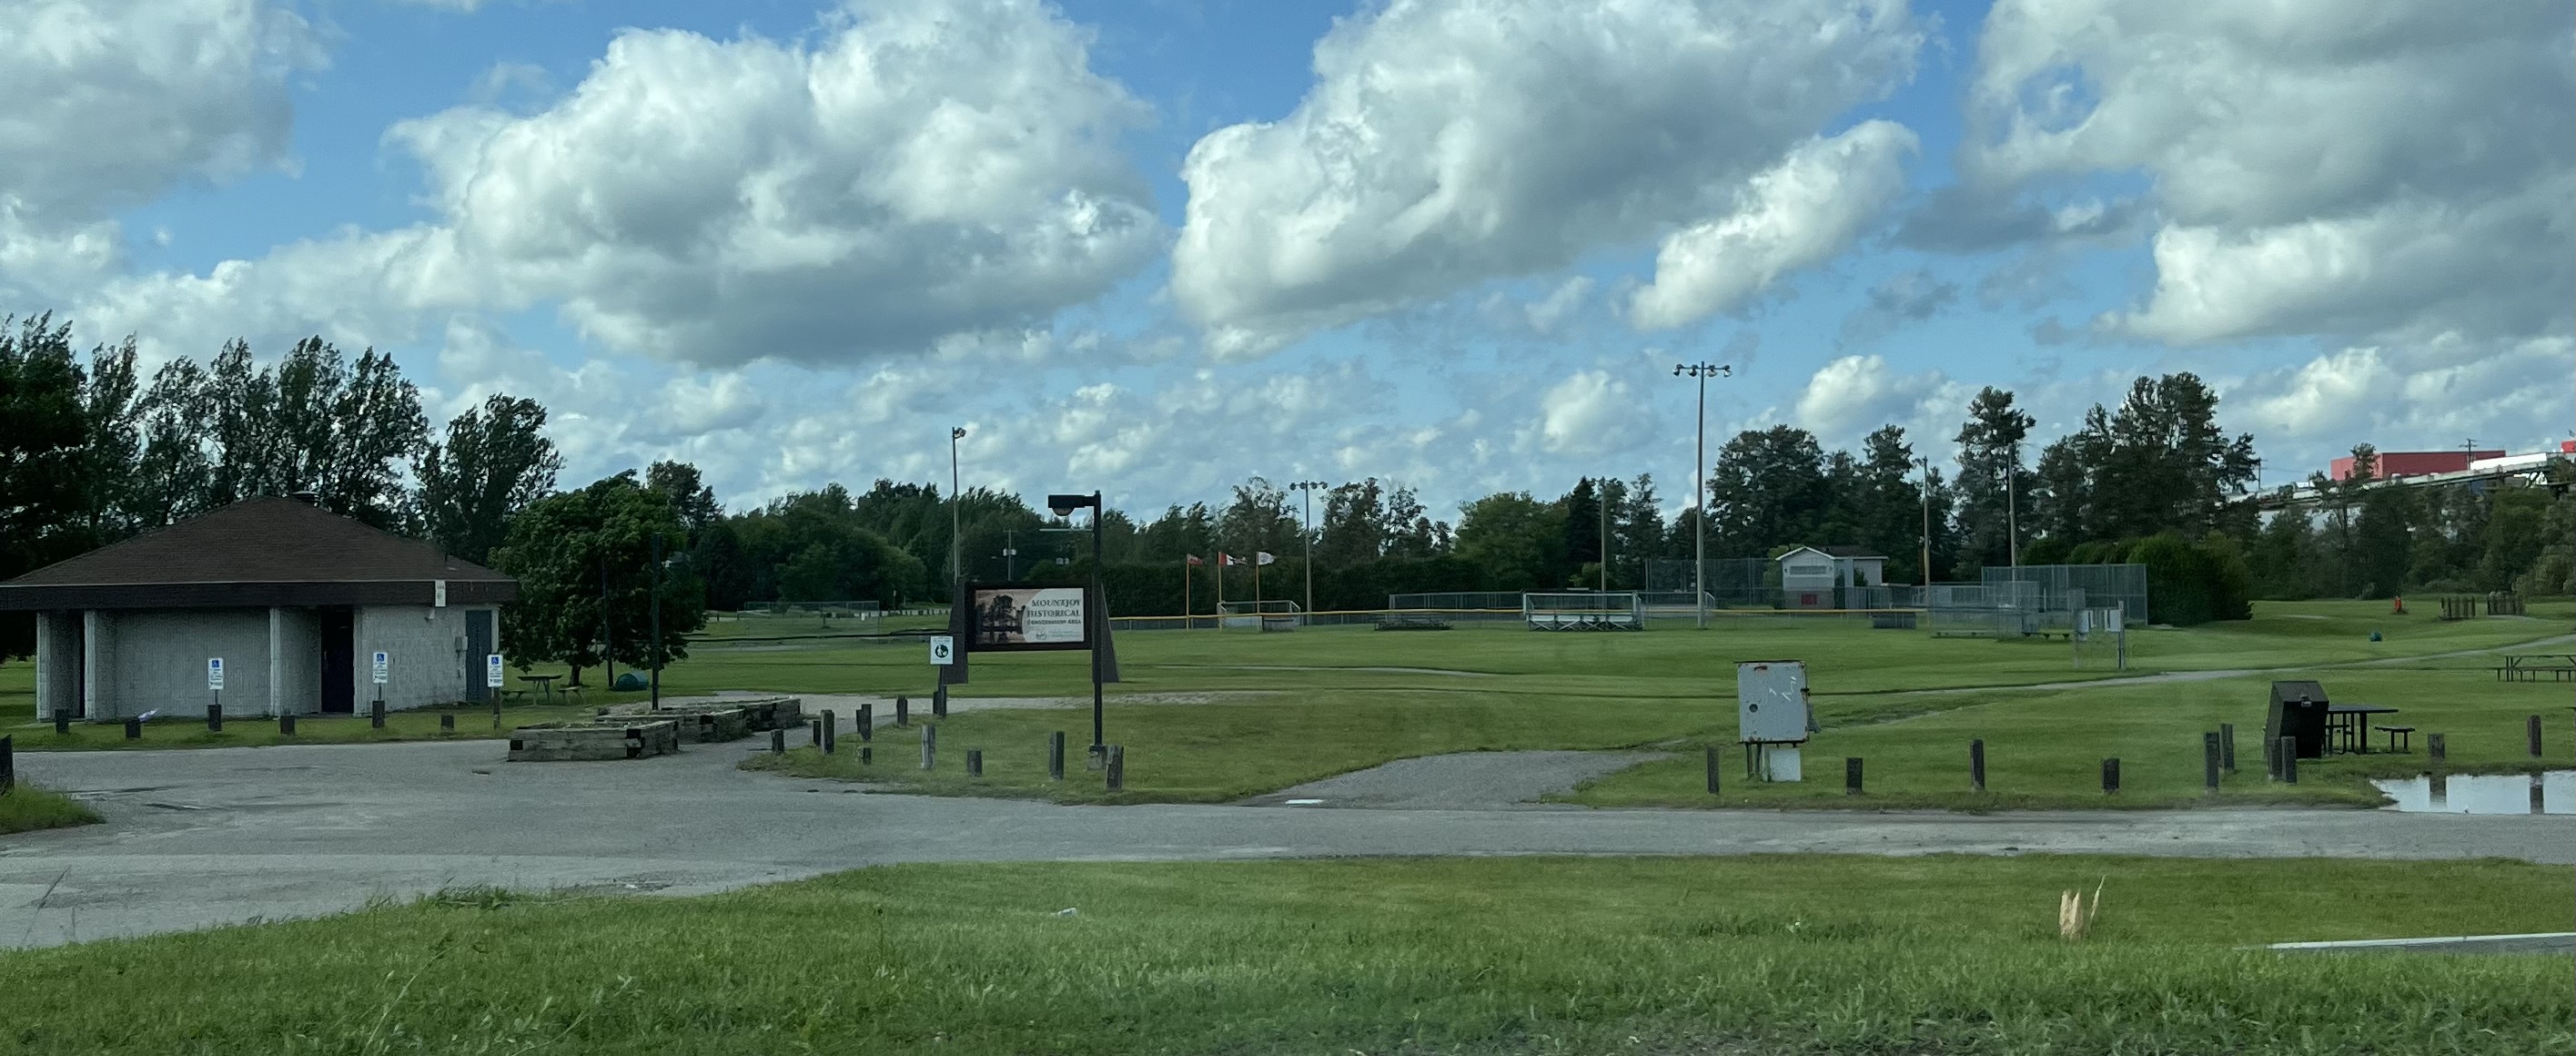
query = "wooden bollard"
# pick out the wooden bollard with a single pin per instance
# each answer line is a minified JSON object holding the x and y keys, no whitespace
{"x":1117,"y":767}
{"x":974,"y":762}
{"x":939,"y":703}
{"x":2289,"y":752}
{"x":286,"y":725}
{"x":867,"y":755}
{"x":2209,"y":762}
{"x":2227,"y":747}
{"x":2531,"y":732}
{"x":2110,"y":775}
{"x":1977,"y":764}
{"x":929,"y":746}
{"x":777,"y":742}
{"x":8,"y":763}
{"x":447,"y":723}
{"x":376,"y":714}
{"x":1851,"y":775}
{"x":1712,"y":769}
{"x":63,"y":721}
{"x":814,"y":734}
{"x":214,"y":718}
{"x":133,"y":729}
{"x":831,"y":727}
{"x":867,"y":721}
{"x":2272,"y":760}
{"x":903,"y":711}
{"x":2436,"y":747}
{"x":1055,"y":756}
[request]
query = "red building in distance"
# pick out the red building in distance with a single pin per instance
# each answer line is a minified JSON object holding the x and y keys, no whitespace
{"x":2415,"y":463}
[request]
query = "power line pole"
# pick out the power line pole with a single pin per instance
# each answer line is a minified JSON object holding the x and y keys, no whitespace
{"x":1699,"y":484}
{"x":1601,"y":497}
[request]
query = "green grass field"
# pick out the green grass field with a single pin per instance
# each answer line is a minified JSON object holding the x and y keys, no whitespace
{"x":1743,"y":956}
{"x":25,"y":808}
{"x":1288,"y":708}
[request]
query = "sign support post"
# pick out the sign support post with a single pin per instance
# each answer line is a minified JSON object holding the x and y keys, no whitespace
{"x":215,"y":681}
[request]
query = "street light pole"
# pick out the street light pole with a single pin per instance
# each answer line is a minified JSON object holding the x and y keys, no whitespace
{"x":1306,"y":491}
{"x":1699,"y":484}
{"x":956,"y":519}
{"x":2012,"y":507}
{"x":655,"y":607}
{"x":1095,"y":609}
{"x":1601,"y":498}
{"x":1927,"y":530}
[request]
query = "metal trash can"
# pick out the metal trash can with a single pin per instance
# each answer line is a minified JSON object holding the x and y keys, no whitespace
{"x":2298,"y":711}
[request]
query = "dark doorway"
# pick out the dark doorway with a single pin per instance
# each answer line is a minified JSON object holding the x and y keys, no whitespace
{"x":478,"y":645}
{"x":339,"y":661}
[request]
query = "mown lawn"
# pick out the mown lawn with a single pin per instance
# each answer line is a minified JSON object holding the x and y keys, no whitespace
{"x":26,"y":808}
{"x":1745,"y":956}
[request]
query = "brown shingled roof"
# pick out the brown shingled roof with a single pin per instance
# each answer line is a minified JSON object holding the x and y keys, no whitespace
{"x":262,"y":551}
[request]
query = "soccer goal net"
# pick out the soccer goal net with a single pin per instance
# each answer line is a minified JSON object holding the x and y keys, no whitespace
{"x":1589,"y":610}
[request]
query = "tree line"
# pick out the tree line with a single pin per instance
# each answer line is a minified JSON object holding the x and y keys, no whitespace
{"x":92,"y":454}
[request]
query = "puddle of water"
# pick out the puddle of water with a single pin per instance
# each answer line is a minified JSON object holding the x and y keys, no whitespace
{"x":2553,"y":792}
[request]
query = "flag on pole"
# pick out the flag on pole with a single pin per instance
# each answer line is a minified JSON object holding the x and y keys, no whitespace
{"x":1229,"y":560}
{"x":1194,"y":559}
{"x":1266,"y":557}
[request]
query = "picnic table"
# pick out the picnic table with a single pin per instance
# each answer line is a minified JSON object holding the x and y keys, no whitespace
{"x":2347,"y":723}
{"x":545,"y":684}
{"x":2531,"y":667}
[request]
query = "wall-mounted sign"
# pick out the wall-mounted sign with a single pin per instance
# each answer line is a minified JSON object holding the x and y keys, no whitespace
{"x":943,"y":650}
{"x":438,"y":593}
{"x":1009,"y":617}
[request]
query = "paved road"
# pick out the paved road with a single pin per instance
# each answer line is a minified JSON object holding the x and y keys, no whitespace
{"x":224,"y":835}
{"x":1465,"y":781}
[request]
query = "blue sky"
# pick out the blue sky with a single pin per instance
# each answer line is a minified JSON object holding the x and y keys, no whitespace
{"x":1159,"y":247}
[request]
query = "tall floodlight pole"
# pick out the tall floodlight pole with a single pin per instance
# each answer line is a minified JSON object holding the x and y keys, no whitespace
{"x":1699,"y":484}
{"x":1601,"y":498}
{"x":1306,"y":490}
{"x":1926,"y":463}
{"x":2012,"y":507}
{"x":956,"y":519}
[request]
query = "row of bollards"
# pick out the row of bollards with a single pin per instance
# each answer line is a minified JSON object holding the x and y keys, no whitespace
{"x":822,"y":733}
{"x":2217,"y":750}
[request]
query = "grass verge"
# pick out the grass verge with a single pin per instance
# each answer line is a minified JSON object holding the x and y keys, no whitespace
{"x":1746,"y":956}
{"x":27,"y":808}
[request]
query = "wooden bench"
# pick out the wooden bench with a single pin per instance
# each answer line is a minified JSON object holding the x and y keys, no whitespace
{"x":2399,"y":735}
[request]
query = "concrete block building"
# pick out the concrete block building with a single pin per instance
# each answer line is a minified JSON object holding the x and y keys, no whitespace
{"x":293,"y":599}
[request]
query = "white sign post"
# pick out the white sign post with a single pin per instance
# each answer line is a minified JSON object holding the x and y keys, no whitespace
{"x":492,"y":671}
{"x":943,"y":650}
{"x":382,"y":665}
{"x":215,"y":673}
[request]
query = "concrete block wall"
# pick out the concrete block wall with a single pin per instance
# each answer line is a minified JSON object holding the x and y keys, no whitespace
{"x":427,"y":666}
{"x":156,"y":659}
{"x":295,"y":665}
{"x":58,"y":659}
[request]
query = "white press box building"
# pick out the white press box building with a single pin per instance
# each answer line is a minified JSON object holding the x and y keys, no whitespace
{"x":293,"y":599}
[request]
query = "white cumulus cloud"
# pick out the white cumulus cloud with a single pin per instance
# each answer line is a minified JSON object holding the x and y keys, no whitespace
{"x":1447,"y":142}
{"x":1802,"y":212}
{"x":2341,"y":168}
{"x":913,"y":171}
{"x":1850,"y":396}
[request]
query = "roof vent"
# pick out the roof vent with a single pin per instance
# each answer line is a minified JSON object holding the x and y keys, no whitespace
{"x":309,"y":498}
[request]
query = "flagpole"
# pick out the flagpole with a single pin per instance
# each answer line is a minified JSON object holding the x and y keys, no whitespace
{"x":1185,"y":592}
{"x":1220,"y":590}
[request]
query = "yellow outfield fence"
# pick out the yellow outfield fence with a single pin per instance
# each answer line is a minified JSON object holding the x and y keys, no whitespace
{"x":1282,"y":621}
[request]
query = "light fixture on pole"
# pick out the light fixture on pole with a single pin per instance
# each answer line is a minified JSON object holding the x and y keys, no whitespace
{"x":1699,"y":483}
{"x":2012,"y":507}
{"x":956,"y":537}
{"x":1601,"y":498}
{"x":1094,"y":608}
{"x":1306,"y":491}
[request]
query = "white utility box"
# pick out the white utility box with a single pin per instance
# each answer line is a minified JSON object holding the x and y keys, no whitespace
{"x":1771,"y":701}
